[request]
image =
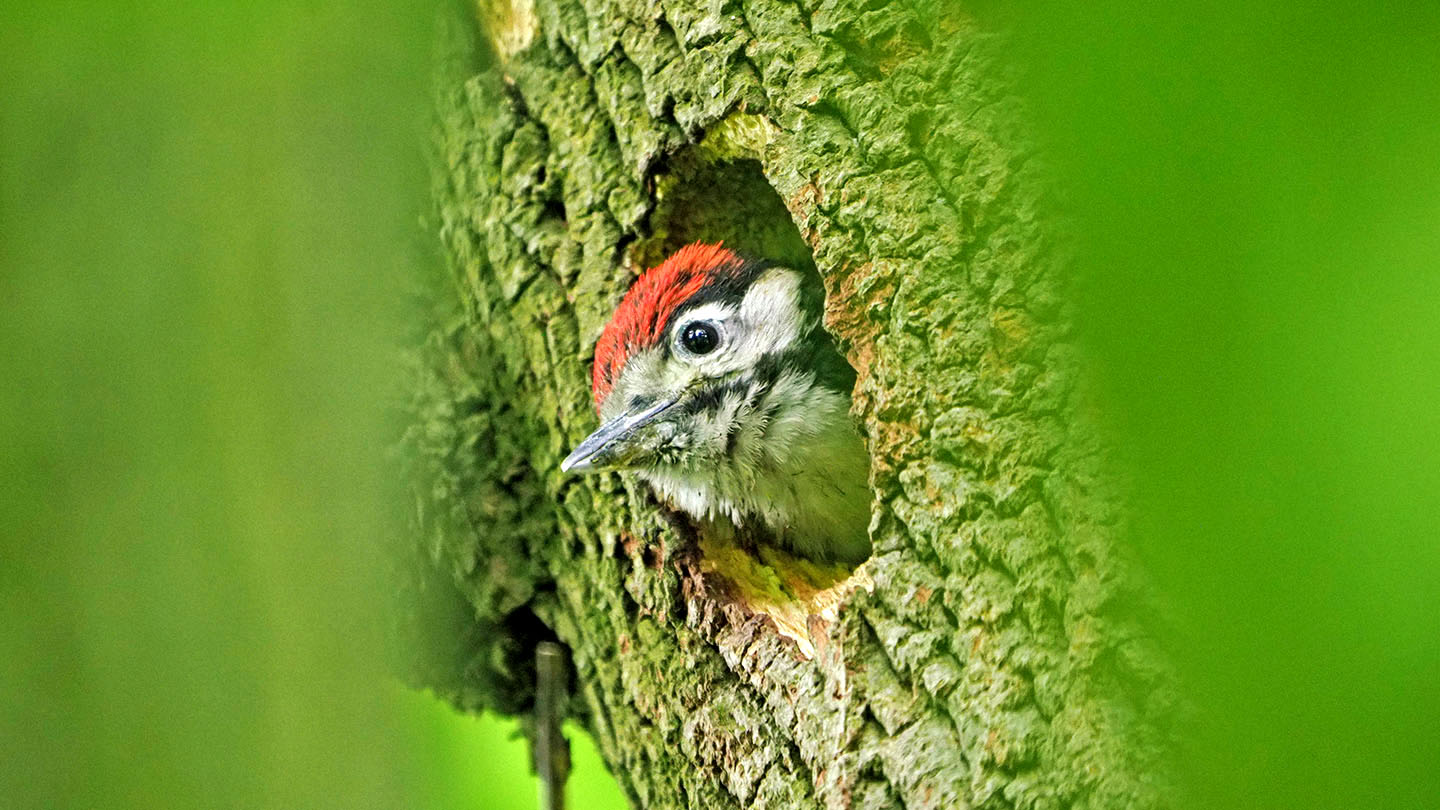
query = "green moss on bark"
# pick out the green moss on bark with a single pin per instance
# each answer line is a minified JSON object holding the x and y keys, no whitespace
{"x":1000,"y":660}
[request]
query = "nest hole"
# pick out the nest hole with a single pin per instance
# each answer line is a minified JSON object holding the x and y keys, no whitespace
{"x":702,"y":198}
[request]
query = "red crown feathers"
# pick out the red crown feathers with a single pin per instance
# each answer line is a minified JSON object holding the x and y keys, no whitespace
{"x":648,"y":306}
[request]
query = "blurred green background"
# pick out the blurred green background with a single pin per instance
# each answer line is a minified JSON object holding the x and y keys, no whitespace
{"x":1256,"y":188}
{"x":208,"y":212}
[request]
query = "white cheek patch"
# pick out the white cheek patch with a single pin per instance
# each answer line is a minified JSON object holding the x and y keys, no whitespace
{"x":771,"y":315}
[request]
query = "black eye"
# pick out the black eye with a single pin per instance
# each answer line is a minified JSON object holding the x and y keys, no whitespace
{"x":700,"y":337}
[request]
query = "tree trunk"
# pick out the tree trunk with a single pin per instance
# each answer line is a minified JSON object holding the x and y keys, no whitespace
{"x":992,"y":652}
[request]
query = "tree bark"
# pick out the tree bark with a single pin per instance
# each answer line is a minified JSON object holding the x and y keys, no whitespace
{"x":993,"y":653}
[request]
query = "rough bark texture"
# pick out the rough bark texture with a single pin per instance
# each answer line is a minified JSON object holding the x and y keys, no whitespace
{"x":997,"y":657}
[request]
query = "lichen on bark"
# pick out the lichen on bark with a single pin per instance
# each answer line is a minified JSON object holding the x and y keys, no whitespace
{"x":997,"y":655}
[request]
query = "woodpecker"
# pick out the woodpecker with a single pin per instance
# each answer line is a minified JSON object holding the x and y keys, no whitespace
{"x":716,"y":384}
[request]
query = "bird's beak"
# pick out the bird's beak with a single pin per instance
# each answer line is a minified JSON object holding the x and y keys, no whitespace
{"x":605,"y":447}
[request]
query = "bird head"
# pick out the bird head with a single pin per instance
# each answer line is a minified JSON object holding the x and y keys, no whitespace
{"x":692,"y":358}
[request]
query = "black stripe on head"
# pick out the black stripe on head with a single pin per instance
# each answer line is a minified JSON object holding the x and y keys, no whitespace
{"x":814,"y":353}
{"x":816,"y":357}
{"x":724,"y":288}
{"x":710,"y":398}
